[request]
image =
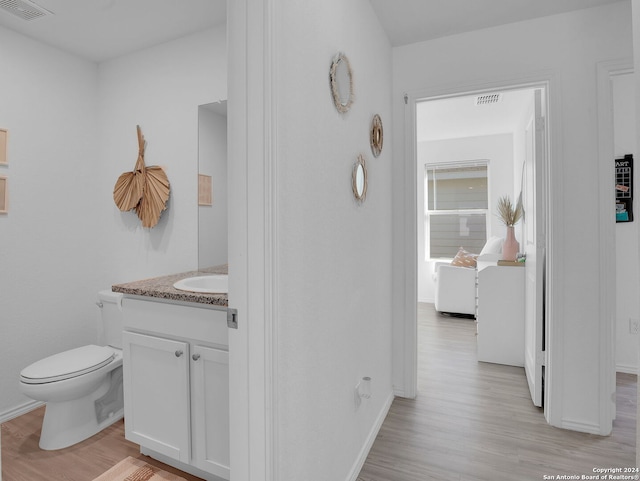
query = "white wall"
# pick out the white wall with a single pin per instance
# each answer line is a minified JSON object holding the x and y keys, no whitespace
{"x":627,"y":261}
{"x":212,"y":161}
{"x":499,"y":150}
{"x":636,"y":82}
{"x":160,"y":89}
{"x":566,"y":49}
{"x":334,"y":255}
{"x":72,"y":127}
{"x":48,"y":260}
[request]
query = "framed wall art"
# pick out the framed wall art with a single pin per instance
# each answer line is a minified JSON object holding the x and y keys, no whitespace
{"x":624,"y":189}
{"x":376,"y":135}
{"x":341,"y":78}
{"x":4,"y":195}
{"x":3,"y":146}
{"x":205,"y":190}
{"x":359,"y":181}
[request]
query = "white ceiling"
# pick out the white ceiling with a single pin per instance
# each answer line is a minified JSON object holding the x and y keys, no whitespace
{"x":410,"y":21}
{"x":460,"y":116}
{"x":102,"y":29}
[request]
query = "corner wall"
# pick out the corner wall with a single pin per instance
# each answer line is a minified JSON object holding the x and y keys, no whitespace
{"x":160,"y":89}
{"x":334,"y":255}
{"x":48,"y":245}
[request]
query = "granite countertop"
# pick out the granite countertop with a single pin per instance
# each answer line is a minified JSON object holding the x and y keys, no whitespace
{"x":162,"y":287}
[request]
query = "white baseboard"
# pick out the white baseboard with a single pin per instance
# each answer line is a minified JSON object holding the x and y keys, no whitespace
{"x":581,"y":426}
{"x":627,"y":368}
{"x":364,"y":452}
{"x":19,"y":410}
{"x":399,"y":392}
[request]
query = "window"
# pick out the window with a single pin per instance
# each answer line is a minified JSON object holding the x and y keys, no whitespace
{"x":456,"y":206}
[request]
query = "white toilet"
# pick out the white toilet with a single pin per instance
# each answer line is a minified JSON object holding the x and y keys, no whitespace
{"x":82,"y":387}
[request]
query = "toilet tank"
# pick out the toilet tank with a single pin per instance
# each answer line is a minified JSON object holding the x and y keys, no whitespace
{"x":110,"y":304}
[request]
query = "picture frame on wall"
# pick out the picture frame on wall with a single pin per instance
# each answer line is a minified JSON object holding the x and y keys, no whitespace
{"x":3,"y":146}
{"x":205,"y":190}
{"x":624,"y":189}
{"x":4,"y":195}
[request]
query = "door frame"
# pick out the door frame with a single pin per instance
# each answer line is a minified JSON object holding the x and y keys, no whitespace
{"x":252,"y":27}
{"x":606,"y":153}
{"x":406,"y":295}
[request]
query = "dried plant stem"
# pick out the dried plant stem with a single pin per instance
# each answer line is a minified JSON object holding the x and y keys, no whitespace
{"x":509,"y":214}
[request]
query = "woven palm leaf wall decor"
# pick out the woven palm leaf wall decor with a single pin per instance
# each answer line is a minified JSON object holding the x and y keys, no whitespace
{"x":145,"y":189}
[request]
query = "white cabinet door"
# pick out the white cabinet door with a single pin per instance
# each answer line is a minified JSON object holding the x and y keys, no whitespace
{"x":210,"y":413}
{"x":156,"y":394}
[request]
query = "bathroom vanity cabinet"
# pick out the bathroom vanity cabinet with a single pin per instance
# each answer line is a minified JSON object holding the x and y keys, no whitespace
{"x":176,"y":384}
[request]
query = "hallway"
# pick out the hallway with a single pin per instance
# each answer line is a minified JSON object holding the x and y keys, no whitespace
{"x":475,"y":421}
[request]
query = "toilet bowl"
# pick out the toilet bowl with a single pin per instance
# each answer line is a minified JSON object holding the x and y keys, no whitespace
{"x":82,"y":387}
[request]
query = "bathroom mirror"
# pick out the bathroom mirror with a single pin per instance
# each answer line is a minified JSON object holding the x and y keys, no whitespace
{"x":376,"y":135}
{"x":341,"y":78}
{"x":212,"y":184}
{"x":359,"y":179}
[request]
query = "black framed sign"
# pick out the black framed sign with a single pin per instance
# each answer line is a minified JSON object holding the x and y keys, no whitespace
{"x":624,"y":189}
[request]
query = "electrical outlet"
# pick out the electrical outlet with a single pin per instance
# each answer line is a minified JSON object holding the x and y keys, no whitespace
{"x":362,"y":390}
{"x":634,"y":326}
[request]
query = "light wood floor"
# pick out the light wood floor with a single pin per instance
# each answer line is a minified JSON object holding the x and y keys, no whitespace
{"x":470,"y":422}
{"x":23,"y":460}
{"x":475,"y":421}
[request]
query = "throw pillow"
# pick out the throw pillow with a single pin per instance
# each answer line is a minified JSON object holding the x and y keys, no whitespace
{"x":464,"y":259}
{"x":492,"y":246}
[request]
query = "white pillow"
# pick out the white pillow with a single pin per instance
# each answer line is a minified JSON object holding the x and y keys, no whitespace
{"x":493,"y":246}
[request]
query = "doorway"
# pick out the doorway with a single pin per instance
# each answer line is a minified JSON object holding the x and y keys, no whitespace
{"x":504,"y":130}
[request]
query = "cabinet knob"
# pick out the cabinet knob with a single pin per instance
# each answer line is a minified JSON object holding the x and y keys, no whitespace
{"x":195,"y":357}
{"x":179,"y":353}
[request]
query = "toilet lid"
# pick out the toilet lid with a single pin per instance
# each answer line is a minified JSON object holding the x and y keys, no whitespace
{"x":68,"y":364}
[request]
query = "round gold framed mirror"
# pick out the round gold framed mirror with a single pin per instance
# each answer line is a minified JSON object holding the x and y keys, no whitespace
{"x":359,"y":179}
{"x":376,"y":135}
{"x":341,"y":78}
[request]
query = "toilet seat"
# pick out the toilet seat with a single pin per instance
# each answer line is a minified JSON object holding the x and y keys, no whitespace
{"x":68,"y":364}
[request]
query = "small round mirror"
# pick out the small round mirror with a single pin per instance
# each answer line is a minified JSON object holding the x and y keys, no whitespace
{"x":376,"y":135}
{"x":341,"y":83}
{"x":359,"y":179}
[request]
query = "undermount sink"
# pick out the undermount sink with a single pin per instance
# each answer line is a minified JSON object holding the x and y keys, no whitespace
{"x":211,"y":284}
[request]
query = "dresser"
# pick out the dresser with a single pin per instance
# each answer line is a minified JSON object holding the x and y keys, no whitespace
{"x":500,"y":314}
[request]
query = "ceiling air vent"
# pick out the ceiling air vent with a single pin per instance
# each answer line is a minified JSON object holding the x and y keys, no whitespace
{"x":488,"y":99}
{"x":24,"y":9}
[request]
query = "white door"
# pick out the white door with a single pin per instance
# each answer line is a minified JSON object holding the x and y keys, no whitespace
{"x":534,"y":236}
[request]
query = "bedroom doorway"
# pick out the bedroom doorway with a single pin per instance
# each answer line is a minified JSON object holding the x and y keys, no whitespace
{"x":504,"y":130}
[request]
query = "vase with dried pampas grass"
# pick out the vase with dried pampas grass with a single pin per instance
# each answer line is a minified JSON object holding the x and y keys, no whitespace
{"x":509,"y":215}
